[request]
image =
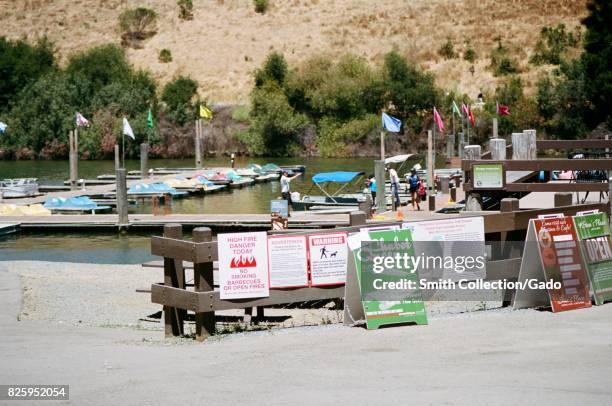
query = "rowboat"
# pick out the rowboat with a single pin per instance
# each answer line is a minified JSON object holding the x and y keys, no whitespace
{"x":16,"y":188}
{"x":325,"y":181}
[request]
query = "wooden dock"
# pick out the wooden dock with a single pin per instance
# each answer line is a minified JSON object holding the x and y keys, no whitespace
{"x":238,"y":222}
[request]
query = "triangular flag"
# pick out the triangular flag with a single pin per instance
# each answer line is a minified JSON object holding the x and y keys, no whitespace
{"x":438,"y":120}
{"x":471,"y":117}
{"x":455,"y":109}
{"x":205,"y":112}
{"x":502,"y":109}
{"x":127,"y":130}
{"x":3,"y":127}
{"x":390,"y":123}
{"x":81,"y":121}
{"x":465,"y":109}
{"x":150,"y":119}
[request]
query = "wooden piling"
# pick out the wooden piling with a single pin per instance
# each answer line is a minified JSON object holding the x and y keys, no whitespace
{"x":382,"y":145}
{"x":74,"y":159}
{"x":473,"y":201}
{"x":121,"y":194}
{"x":494,"y":128}
{"x":450,"y":146}
{"x":117,"y":157}
{"x":379,"y":174}
{"x":524,"y":145}
{"x":430,"y":168}
{"x":198,"y":144}
{"x":461,"y":144}
{"x":497,"y":146}
{"x":357,"y":218}
{"x":144,"y":160}
{"x":203,"y":282}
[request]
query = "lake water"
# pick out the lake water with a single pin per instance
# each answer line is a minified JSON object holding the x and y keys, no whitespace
{"x":110,"y":247}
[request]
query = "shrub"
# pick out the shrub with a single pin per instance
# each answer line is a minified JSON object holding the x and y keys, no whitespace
{"x":334,"y":136}
{"x":100,"y":66}
{"x":240,"y":114}
{"x":469,"y":54}
{"x":185,"y":9}
{"x":165,"y":56}
{"x":21,"y":64}
{"x":274,"y":123}
{"x":136,"y":25}
{"x":178,"y":95}
{"x":553,"y":42}
{"x":261,"y":6}
{"x":274,"y":69}
{"x":501,"y":62}
{"x":447,"y":50}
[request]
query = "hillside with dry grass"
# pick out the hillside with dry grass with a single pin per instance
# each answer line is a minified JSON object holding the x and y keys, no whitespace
{"x":227,"y":40}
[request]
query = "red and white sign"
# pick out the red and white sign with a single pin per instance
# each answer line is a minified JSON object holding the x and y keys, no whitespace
{"x":243,"y":265}
{"x":288,"y":261}
{"x":328,"y":258}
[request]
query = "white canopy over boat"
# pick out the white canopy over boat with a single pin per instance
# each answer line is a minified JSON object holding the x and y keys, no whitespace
{"x":398,"y":159}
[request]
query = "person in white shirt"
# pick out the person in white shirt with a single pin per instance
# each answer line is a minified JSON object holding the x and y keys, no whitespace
{"x":394,"y":188}
{"x":285,"y":189}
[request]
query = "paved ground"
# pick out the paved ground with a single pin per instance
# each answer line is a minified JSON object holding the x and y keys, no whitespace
{"x":483,"y":358}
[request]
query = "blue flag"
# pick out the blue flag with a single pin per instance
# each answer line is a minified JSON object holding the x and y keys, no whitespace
{"x":2,"y":127}
{"x":391,"y":124}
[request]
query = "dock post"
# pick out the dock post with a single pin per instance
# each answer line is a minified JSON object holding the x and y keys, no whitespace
{"x":494,"y":128}
{"x":357,"y":218}
{"x":450,"y":146}
{"x":461,"y":144}
{"x":203,"y":282}
{"x":473,"y":201}
{"x":121,"y":194}
{"x":198,"y":144}
{"x":563,"y":199}
{"x":524,"y":145}
{"x":117,"y":157}
{"x":379,"y":174}
{"x":73,"y":155}
{"x":430,"y":169}
{"x":144,"y":160}
{"x":498,"y":149}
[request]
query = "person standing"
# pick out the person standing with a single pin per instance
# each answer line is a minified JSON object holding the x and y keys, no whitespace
{"x":414,"y":183}
{"x":286,"y":189}
{"x":394,"y":188}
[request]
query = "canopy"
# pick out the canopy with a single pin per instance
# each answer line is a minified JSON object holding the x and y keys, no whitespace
{"x":398,"y":159}
{"x":339,"y":177}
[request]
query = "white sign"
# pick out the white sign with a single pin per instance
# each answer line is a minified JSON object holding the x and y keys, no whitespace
{"x":288,"y":261}
{"x":328,"y":258}
{"x":243,"y":265}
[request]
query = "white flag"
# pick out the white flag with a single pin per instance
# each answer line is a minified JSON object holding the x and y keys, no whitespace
{"x":81,"y":121}
{"x":127,"y":130}
{"x":2,"y":127}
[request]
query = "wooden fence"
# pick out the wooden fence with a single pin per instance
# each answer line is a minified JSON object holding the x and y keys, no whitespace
{"x":177,"y":297}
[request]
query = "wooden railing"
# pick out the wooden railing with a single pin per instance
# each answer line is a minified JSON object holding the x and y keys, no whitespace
{"x":178,"y":297}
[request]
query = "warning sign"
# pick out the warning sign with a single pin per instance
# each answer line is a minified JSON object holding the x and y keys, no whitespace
{"x":243,"y":265}
{"x":328,"y":258}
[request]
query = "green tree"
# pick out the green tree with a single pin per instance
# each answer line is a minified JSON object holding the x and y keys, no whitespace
{"x":20,"y":65}
{"x":178,"y":95}
{"x":597,"y":60}
{"x":274,"y":69}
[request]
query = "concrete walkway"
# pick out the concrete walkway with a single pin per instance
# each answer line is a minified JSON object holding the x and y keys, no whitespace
{"x":483,"y":358}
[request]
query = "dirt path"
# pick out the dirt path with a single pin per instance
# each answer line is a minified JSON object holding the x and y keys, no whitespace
{"x":495,"y":357}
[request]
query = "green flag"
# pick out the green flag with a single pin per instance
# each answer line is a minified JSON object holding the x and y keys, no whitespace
{"x":150,"y":119}
{"x":456,"y":108}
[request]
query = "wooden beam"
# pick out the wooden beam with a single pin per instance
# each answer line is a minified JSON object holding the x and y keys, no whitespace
{"x":573,"y":144}
{"x":549,"y":187}
{"x":184,"y":250}
{"x":546,"y":164}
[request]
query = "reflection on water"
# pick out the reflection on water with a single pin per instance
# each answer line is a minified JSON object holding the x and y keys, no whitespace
{"x":98,"y":248}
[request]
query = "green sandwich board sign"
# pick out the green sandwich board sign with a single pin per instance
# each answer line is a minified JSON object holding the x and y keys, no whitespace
{"x":593,"y":232}
{"x":389,"y":305}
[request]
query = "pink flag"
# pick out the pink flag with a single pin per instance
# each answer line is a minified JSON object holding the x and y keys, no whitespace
{"x":438,"y":120}
{"x":465,"y":109}
{"x":81,"y":121}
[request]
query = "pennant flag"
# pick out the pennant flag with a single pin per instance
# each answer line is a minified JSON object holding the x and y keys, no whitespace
{"x":3,"y":127}
{"x":455,"y":109}
{"x":390,"y":123}
{"x":465,"y":109}
{"x":205,"y":112}
{"x":438,"y":120}
{"x":471,"y":117}
{"x":127,"y":130}
{"x":502,"y":109}
{"x":81,"y":121}
{"x":150,"y":119}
